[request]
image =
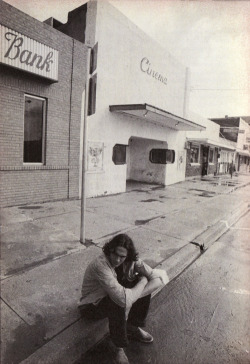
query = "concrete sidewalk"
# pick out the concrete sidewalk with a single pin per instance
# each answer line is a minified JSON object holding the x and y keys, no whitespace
{"x":43,"y":262}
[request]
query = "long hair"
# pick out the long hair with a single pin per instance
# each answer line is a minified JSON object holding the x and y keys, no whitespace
{"x":124,"y":241}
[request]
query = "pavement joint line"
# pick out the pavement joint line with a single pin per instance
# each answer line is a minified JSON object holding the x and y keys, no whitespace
{"x":171,"y":236}
{"x":36,"y":218}
{"x":47,"y":216}
{"x":59,"y":332}
{"x":41,"y":263}
{"x":107,"y":237}
{"x":14,"y":311}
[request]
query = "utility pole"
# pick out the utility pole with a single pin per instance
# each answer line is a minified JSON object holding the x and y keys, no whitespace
{"x":186,"y":93}
{"x":84,"y":151}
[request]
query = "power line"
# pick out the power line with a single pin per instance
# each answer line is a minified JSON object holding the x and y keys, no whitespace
{"x":219,"y":89}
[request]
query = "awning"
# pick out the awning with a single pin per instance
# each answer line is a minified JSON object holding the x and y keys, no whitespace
{"x":244,"y":153}
{"x":155,"y":115}
{"x":206,"y":141}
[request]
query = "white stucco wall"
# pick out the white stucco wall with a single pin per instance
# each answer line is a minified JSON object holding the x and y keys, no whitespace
{"x":140,"y":168}
{"x":212,"y":130}
{"x":242,"y":137}
{"x":120,"y":80}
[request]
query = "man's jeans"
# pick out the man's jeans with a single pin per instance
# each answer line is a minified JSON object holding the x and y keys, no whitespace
{"x":117,"y":317}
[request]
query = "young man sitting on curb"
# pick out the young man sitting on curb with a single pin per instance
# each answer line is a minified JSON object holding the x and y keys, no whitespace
{"x":118,"y":285}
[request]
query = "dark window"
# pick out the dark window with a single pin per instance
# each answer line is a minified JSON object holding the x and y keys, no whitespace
{"x":162,"y":156}
{"x":92,"y":95}
{"x":34,"y":129}
{"x":119,"y":154}
{"x":93,"y":58}
{"x":194,"y":154}
{"x":211,"y":156}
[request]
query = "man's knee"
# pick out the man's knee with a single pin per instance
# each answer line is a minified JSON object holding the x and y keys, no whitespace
{"x":115,"y":310}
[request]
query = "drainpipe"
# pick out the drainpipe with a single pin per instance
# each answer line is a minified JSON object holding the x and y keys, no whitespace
{"x":70,"y":113}
{"x":84,"y":152}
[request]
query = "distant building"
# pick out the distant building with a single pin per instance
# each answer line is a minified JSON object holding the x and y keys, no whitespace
{"x":206,"y":150}
{"x":237,"y":131}
{"x":42,"y":78}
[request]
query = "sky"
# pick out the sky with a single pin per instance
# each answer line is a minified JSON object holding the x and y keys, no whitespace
{"x":212,"y":38}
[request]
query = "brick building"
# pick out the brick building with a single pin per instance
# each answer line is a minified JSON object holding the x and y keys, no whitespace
{"x":42,"y":82}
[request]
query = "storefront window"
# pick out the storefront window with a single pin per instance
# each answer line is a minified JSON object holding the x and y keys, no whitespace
{"x":194,"y":154}
{"x":119,"y":154}
{"x":162,"y":156}
{"x":34,"y":129}
{"x":211,"y":155}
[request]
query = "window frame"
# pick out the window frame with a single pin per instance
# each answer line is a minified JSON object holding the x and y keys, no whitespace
{"x":153,"y":160}
{"x":113,"y":154}
{"x":197,"y":146}
{"x":44,"y":121}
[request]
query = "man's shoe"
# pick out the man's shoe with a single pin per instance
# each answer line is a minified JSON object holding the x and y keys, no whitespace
{"x":120,"y":357}
{"x":140,"y":335}
{"x":118,"y":354}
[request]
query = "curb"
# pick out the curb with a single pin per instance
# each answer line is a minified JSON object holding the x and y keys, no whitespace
{"x":240,"y":186}
{"x":214,"y":232}
{"x":82,"y":335}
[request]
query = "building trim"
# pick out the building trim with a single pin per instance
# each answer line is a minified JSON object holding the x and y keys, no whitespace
{"x":154,"y":114}
{"x":206,"y":141}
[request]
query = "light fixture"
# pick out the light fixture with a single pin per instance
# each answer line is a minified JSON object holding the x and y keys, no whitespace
{"x":177,"y":123}
{"x":145,"y":114}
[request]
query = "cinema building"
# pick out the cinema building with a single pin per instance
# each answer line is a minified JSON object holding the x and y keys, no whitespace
{"x":137,"y":126}
{"x":42,"y":79}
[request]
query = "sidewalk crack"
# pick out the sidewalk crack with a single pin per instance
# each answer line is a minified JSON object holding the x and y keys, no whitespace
{"x":15,"y":312}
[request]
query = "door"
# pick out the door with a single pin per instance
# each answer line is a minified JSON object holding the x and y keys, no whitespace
{"x":204,"y":161}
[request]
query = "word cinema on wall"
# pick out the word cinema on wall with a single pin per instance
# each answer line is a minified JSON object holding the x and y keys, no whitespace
{"x":24,"y":53}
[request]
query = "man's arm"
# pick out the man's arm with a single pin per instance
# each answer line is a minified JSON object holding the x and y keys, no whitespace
{"x":122,"y":296}
{"x":138,"y":289}
{"x":152,"y":286}
{"x":156,"y":277}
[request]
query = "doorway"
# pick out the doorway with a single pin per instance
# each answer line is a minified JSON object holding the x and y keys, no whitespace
{"x":204,"y":161}
{"x":139,"y":166}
